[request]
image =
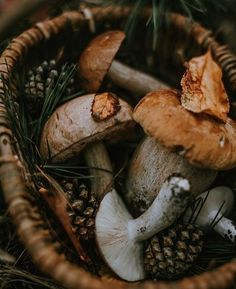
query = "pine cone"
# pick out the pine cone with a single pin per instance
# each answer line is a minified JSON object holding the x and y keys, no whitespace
{"x":82,"y":210}
{"x":41,"y":79}
{"x":173,"y":251}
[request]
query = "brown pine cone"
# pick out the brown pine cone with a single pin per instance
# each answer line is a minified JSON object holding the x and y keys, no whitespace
{"x":173,"y":251}
{"x":82,"y":210}
{"x":41,"y":80}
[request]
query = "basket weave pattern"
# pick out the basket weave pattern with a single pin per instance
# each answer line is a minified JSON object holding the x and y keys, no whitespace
{"x":29,"y":224}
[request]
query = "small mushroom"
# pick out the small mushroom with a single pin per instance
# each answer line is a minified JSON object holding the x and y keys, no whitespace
{"x":120,"y":237}
{"x":178,"y":142}
{"x":210,"y":212}
{"x":73,"y":127}
{"x":97,"y":61}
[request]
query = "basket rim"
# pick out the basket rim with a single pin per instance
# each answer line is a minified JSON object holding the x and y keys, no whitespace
{"x":14,"y":187}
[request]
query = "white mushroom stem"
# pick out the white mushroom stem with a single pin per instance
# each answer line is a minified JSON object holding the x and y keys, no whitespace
{"x":226,"y":228}
{"x":100,"y":168}
{"x":211,"y":210}
{"x":133,"y":80}
{"x":120,"y":237}
{"x":166,"y":208}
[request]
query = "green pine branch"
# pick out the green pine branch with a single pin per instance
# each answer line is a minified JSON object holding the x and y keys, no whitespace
{"x":26,"y":130}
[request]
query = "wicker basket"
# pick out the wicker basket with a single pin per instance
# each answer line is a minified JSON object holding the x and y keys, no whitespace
{"x":47,"y":39}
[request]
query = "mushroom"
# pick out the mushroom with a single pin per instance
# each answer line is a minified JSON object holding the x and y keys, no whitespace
{"x":72,"y":128}
{"x":120,"y":237}
{"x":178,"y":141}
{"x":81,"y":124}
{"x":97,"y":61}
{"x":210,"y":212}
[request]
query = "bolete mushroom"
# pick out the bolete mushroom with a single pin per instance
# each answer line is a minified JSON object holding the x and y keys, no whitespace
{"x":97,"y":61}
{"x":120,"y":237}
{"x":193,"y":145}
{"x":82,"y":124}
{"x":210,"y":212}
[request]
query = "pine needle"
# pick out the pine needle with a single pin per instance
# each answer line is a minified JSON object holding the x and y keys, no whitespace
{"x":19,"y":120}
{"x":12,"y":277}
{"x":70,"y":171}
{"x":26,"y":130}
{"x":132,"y":20}
{"x":216,"y":249}
{"x":160,"y":9}
{"x":53,"y":98}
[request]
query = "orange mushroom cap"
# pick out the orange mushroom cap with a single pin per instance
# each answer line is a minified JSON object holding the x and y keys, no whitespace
{"x":97,"y":58}
{"x":201,"y":139}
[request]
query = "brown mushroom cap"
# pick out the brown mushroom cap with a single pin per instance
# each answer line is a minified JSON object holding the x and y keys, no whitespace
{"x":203,"y":140}
{"x":96,"y":59}
{"x":71,"y":127}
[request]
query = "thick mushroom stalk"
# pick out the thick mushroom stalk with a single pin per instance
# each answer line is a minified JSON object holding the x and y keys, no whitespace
{"x":98,"y":61}
{"x":226,"y":228}
{"x":215,"y":205}
{"x":150,"y":166}
{"x":100,"y":168}
{"x":120,"y":237}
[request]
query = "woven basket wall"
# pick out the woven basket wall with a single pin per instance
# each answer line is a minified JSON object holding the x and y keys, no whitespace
{"x":45,"y":40}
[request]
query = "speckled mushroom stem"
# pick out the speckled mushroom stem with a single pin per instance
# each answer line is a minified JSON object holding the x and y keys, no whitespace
{"x":165,"y":209}
{"x":100,"y":168}
{"x":133,"y":80}
{"x":119,"y":236}
{"x":225,"y":227}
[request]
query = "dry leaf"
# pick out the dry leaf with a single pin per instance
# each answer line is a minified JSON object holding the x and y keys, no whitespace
{"x":203,"y":89}
{"x":105,"y":105}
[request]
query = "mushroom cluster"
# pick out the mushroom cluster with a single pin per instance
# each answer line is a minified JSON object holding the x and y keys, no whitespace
{"x":203,"y":146}
{"x":196,"y":145}
{"x":178,"y":158}
{"x":72,"y":127}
